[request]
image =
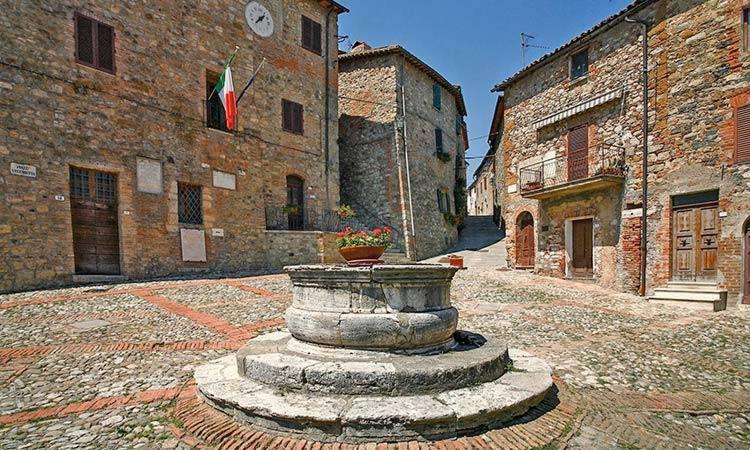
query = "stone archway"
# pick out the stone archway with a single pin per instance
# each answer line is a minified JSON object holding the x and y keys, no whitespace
{"x":525,"y":253}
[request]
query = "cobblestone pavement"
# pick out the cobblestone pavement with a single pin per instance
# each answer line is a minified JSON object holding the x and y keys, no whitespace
{"x":111,"y":366}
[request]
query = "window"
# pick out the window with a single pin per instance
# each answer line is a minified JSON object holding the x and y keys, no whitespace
{"x":215,"y":115}
{"x":444,"y":201}
{"x":311,"y":37}
{"x":579,"y":64}
{"x":742,"y":146}
{"x":95,"y":44}
{"x":189,"y":204}
{"x":292,"y":117}
{"x":459,"y":124}
{"x":437,"y":96}
{"x":438,"y":140}
{"x":746,"y":29}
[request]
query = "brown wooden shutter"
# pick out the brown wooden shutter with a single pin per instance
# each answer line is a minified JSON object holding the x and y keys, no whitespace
{"x":84,"y":40}
{"x":105,"y":43}
{"x":286,"y":121}
{"x":316,"y":38}
{"x":299,"y":119}
{"x":742,"y":149}
{"x":306,"y":32}
{"x":578,"y":155}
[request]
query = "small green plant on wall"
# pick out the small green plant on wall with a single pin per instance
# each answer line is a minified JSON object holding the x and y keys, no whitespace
{"x":443,"y":156}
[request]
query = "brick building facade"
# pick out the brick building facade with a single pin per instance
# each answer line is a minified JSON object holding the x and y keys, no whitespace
{"x":113,"y":157}
{"x":402,"y":165}
{"x":572,"y":153}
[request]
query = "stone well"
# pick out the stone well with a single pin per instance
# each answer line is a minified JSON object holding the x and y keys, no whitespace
{"x":372,"y":354}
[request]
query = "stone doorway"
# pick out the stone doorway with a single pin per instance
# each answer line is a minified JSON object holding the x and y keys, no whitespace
{"x":582,"y":261}
{"x":746,"y":258}
{"x":525,"y":241}
{"x":695,"y":241}
{"x":93,"y":205}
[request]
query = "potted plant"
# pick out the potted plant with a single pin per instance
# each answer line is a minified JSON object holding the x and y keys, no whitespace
{"x":532,"y":185}
{"x":450,"y":219}
{"x":292,"y":208}
{"x":443,"y":156}
{"x":364,"y":248}
{"x":345,"y":212}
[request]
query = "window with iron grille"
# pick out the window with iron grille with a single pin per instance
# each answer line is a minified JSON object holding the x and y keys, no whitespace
{"x":95,"y":43}
{"x":742,"y":146}
{"x":105,"y":187}
{"x":189,"y":204}
{"x":292,"y":117}
{"x":439,"y":140}
{"x":579,"y":64}
{"x":79,"y":184}
{"x":215,"y":115}
{"x":311,"y":35}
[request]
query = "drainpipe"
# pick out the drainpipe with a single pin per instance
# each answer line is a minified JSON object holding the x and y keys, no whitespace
{"x":408,"y":176}
{"x":644,"y":131}
{"x":326,"y":128}
{"x":397,"y":127}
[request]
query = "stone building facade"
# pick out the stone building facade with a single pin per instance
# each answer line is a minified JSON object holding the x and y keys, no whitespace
{"x":572,"y":153}
{"x":482,"y":189}
{"x":402,"y":145}
{"x":108,"y":163}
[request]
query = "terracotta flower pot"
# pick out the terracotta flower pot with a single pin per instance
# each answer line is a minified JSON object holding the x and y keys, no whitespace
{"x":456,"y":261}
{"x":362,"y":255}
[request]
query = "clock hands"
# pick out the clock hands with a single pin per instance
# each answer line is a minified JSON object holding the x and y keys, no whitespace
{"x":260,"y":18}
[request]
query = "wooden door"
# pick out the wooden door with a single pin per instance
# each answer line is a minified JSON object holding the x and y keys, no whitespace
{"x":295,"y":202}
{"x":93,"y":202}
{"x":578,"y":153}
{"x":583,"y":248}
{"x":695,"y":242}
{"x":525,"y":241}
{"x":746,"y":297}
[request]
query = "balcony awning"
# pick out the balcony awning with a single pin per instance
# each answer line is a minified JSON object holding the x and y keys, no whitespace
{"x":580,"y":107}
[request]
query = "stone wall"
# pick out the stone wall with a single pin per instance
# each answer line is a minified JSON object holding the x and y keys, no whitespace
{"x":56,"y":113}
{"x":300,"y":247}
{"x":370,"y":101}
{"x":696,"y":81}
{"x":484,"y":190}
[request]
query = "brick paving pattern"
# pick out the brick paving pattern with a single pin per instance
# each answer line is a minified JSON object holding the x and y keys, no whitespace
{"x":111,"y":366}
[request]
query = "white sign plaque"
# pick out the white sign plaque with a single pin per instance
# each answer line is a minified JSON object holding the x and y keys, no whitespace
{"x":630,"y":213}
{"x":512,"y":188}
{"x":60,"y":198}
{"x":23,"y":170}
{"x":149,"y":175}
{"x":218,"y":232}
{"x":225,"y":180}
{"x":193,"y":245}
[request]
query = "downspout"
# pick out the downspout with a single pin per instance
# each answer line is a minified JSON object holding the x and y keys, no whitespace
{"x":408,"y":175}
{"x":326,"y":127}
{"x":398,"y":126}
{"x":644,"y":131}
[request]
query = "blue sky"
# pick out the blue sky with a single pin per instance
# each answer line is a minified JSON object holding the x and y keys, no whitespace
{"x":474,"y":43}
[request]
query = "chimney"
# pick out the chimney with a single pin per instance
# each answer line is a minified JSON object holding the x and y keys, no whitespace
{"x":360,"y":46}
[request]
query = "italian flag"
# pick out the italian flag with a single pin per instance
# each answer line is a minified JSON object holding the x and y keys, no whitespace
{"x":225,"y":89}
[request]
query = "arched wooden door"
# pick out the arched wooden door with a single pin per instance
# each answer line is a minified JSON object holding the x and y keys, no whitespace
{"x":525,"y":240}
{"x":295,"y":202}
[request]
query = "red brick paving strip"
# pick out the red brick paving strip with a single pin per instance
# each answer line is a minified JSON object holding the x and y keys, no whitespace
{"x":149,"y":396}
{"x":203,"y":425}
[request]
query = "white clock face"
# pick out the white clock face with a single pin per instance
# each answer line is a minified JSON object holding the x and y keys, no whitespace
{"x":259,"y":19}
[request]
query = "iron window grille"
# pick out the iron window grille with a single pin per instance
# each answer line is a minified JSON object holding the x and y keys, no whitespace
{"x":189,"y":204}
{"x":79,"y":184}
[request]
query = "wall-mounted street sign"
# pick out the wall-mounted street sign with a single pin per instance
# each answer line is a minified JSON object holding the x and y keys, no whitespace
{"x":23,"y":170}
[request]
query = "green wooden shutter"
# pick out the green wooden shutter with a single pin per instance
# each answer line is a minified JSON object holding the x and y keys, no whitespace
{"x":437,"y":100}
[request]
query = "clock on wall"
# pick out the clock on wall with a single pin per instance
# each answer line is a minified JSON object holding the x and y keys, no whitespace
{"x":259,"y":19}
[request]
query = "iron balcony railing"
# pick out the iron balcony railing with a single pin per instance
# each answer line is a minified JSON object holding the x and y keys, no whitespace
{"x":606,"y":159}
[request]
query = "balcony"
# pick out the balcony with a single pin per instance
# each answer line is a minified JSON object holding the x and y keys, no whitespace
{"x":598,"y":169}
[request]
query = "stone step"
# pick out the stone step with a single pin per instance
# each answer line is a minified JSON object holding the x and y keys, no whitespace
{"x":282,"y":361}
{"x":97,"y":279}
{"x":396,"y":258}
{"x":375,"y":418}
{"x":694,"y":295}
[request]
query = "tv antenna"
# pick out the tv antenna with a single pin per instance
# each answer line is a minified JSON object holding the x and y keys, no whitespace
{"x":526,"y":44}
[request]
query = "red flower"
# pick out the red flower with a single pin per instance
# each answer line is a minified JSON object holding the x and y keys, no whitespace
{"x":387,"y":229}
{"x":342,"y":233}
{"x":377,"y":231}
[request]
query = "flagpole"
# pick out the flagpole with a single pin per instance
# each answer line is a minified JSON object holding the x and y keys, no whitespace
{"x":251,"y":80}
{"x":229,"y":61}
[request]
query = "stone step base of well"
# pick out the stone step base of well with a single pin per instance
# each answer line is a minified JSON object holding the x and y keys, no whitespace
{"x":693,"y":295}
{"x":362,"y":418}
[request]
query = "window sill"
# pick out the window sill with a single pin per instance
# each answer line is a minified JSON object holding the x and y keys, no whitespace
{"x":297,"y":133}
{"x":227,"y":133}
{"x":313,"y":51}
{"x":580,"y":80}
{"x":98,"y":69}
